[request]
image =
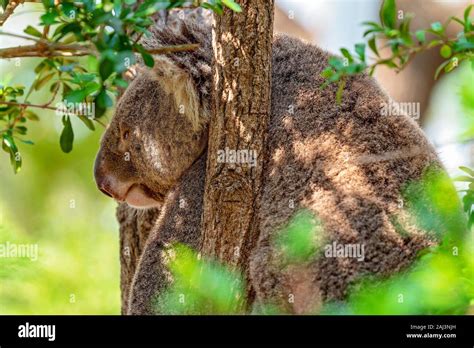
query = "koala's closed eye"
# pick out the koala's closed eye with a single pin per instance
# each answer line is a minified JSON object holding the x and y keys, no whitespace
{"x":125,"y":135}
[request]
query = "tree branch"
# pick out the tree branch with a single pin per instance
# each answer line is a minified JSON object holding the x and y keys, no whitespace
{"x":46,"y":49}
{"x":12,"y":5}
{"x":173,"y":49}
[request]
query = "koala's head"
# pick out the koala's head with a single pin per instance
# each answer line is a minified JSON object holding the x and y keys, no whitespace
{"x":159,"y":127}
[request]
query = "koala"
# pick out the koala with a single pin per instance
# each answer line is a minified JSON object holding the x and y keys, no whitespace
{"x":345,"y":163}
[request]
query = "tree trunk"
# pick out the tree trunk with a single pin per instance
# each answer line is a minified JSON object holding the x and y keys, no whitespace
{"x":242,"y":44}
{"x":135,"y":226}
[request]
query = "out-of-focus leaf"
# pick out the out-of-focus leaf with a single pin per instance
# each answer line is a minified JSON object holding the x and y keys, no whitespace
{"x":32,"y":31}
{"x":106,"y":68}
{"x":4,"y":3}
{"x":373,"y":45}
{"x":360,"y":50}
{"x":467,"y":170}
{"x":67,"y":135}
{"x":87,"y":121}
{"x":44,"y":80}
{"x":388,"y":13}
{"x":232,"y":5}
{"x":437,"y":27}
{"x":103,"y":100}
{"x":147,"y":58}
{"x":421,"y":36}
{"x":31,"y":115}
{"x":445,"y":51}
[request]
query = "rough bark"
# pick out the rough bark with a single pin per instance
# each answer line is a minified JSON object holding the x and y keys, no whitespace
{"x":242,"y":44}
{"x":135,"y":226}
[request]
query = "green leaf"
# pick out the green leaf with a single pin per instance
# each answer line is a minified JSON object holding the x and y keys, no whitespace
{"x":120,"y":82}
{"x":87,"y":121}
{"x":467,"y":170}
{"x":76,"y":96}
{"x":421,"y":36}
{"x":22,"y":130}
{"x":9,"y":146}
{"x":55,"y":87}
{"x":360,"y":49}
{"x":232,"y":5}
{"x":374,"y":25}
{"x":347,"y":54}
{"x":123,"y":61}
{"x":106,"y":68}
{"x":49,"y":18}
{"x":27,"y":142}
{"x":373,"y":45}
{"x":99,"y":111}
{"x":445,"y":51}
{"x":437,"y":27}
{"x":48,"y":3}
{"x":147,"y":57}
{"x":453,"y":63}
{"x":336,"y":63}
{"x":339,"y":92}
{"x":32,"y":31}
{"x":440,"y":68}
{"x":44,"y":80}
{"x":467,"y":21}
{"x":92,"y":63}
{"x":103,"y":100}
{"x":464,"y":178}
{"x":435,"y":43}
{"x":327,"y":73}
{"x":388,"y":13}
{"x":4,"y":3}
{"x":67,"y":135}
{"x":31,"y":115}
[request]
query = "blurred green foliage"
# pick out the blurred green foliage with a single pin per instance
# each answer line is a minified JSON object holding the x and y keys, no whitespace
{"x":301,"y":239}
{"x":200,"y":286}
{"x":394,"y":31}
{"x":54,"y":203}
{"x":466,"y":99}
{"x":442,"y":279}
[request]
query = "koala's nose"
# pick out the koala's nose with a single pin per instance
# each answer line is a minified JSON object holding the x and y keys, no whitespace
{"x":104,"y":191}
{"x":103,"y":182}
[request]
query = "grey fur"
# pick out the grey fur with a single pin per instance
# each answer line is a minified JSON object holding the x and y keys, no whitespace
{"x":323,"y":157}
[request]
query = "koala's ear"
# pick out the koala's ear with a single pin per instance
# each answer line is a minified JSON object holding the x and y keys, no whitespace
{"x":185,"y":75}
{"x":179,"y":83}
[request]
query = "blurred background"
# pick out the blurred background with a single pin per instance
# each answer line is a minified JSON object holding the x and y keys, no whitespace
{"x":53,"y":202}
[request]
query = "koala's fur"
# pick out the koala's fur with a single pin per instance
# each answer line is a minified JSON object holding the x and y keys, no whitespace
{"x":346,"y":163}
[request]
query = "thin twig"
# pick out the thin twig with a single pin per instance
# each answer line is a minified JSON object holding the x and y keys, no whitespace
{"x":12,"y":5}
{"x":173,"y":49}
{"x":25,"y":105}
{"x":44,"y":107}
{"x":45,"y":50}
{"x":20,"y":36}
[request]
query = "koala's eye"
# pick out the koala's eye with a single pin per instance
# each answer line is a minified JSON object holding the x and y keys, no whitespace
{"x":125,"y":135}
